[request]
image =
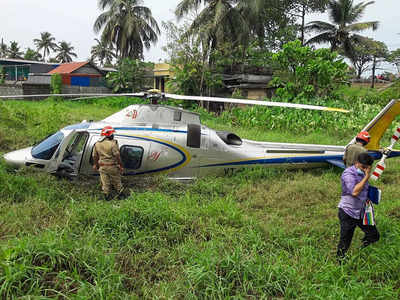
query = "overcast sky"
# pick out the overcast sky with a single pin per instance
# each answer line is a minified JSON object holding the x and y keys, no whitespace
{"x":72,"y":21}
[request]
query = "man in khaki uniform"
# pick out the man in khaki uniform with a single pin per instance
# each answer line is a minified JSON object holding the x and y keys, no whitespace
{"x":107,"y":161}
{"x":352,"y":151}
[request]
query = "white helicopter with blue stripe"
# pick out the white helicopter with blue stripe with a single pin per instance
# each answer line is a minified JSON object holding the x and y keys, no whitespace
{"x":157,"y":139}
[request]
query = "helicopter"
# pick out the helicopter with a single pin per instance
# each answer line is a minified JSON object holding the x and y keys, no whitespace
{"x":156,"y":139}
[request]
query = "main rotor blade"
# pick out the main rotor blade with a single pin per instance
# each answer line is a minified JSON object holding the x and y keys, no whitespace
{"x":255,"y":102}
{"x":110,"y":95}
{"x":87,"y":96}
{"x":189,"y":98}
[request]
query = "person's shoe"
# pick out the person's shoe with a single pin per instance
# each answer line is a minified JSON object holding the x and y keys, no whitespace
{"x":122,"y":194}
{"x":341,"y":260}
{"x":107,"y":197}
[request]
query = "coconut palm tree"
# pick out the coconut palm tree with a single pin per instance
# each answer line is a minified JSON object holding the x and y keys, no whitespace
{"x":128,"y":25}
{"x":65,"y":52}
{"x":3,"y":49}
{"x":45,"y":43}
{"x":219,"y":22}
{"x":31,"y":54}
{"x":102,"y":52}
{"x":14,"y":51}
{"x":343,"y":30}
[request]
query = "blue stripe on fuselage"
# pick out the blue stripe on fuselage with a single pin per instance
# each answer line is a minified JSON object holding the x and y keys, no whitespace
{"x":296,"y":159}
{"x":281,"y":160}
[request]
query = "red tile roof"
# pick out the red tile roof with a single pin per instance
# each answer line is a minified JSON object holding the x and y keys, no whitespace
{"x":68,"y":67}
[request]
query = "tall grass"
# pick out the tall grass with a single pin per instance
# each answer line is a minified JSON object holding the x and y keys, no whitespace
{"x":257,"y":234}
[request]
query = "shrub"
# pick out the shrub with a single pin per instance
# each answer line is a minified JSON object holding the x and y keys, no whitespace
{"x":2,"y":75}
{"x":56,"y":83}
{"x":307,"y":73}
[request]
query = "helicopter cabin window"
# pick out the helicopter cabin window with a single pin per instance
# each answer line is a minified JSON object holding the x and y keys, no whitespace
{"x":131,"y":157}
{"x":46,"y":148}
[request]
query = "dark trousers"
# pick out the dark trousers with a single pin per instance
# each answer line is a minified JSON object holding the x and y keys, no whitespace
{"x":347,"y":227}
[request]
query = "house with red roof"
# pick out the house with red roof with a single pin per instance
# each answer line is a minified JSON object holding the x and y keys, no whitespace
{"x":79,"y":74}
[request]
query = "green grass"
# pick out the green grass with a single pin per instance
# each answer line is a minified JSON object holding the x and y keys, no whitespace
{"x":257,"y":234}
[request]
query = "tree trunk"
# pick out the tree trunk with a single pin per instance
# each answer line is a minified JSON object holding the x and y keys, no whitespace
{"x":359,"y":72}
{"x":373,"y":73}
{"x":303,"y":14}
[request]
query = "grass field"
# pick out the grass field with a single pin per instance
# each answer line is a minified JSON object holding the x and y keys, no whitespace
{"x":258,"y":234}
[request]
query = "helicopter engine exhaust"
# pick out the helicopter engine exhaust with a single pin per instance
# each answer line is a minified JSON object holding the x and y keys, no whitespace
{"x":229,"y":138}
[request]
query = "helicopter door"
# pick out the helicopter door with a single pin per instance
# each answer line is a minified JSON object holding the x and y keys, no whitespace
{"x":71,"y":162}
{"x":56,"y":161}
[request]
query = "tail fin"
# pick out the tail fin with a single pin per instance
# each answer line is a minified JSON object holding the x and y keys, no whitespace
{"x":378,"y":126}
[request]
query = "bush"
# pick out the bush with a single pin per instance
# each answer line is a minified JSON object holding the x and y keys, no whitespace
{"x":2,"y":75}
{"x":56,"y":83}
{"x":307,"y":73}
{"x":130,"y":76}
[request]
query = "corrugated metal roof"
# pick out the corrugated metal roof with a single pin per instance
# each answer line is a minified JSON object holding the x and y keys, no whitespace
{"x":68,"y":67}
{"x":23,"y":61}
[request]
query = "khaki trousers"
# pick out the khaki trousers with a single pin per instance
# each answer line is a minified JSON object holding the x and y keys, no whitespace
{"x":110,"y":177}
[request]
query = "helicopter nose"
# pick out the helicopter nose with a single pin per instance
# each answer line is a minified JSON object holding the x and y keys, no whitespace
{"x":17,"y":158}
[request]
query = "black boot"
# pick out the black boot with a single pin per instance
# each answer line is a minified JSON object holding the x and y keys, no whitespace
{"x":122,"y":194}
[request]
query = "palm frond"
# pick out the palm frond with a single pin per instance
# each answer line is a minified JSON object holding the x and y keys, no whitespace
{"x":357,"y":27}
{"x":358,"y":10}
{"x":320,"y":26}
{"x":185,"y":6}
{"x":325,"y":37}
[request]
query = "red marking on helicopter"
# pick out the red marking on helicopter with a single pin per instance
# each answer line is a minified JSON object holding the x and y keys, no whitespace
{"x":154,"y":155}
{"x":132,"y":114}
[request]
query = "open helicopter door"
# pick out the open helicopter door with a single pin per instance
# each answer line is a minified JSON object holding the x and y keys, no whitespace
{"x":54,"y":163}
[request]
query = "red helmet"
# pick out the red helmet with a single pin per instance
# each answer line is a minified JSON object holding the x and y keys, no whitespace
{"x":107,"y":131}
{"x":364,"y":136}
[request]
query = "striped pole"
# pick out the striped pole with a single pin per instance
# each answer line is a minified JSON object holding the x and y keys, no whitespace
{"x":380,"y":167}
{"x":395,"y":137}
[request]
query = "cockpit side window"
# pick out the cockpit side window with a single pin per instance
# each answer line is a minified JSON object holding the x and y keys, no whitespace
{"x":131,"y":157}
{"x":46,"y":148}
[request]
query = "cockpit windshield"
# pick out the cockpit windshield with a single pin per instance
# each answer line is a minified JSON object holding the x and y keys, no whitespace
{"x":46,"y":148}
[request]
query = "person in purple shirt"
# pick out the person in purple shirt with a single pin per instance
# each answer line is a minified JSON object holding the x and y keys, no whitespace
{"x":352,"y":204}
